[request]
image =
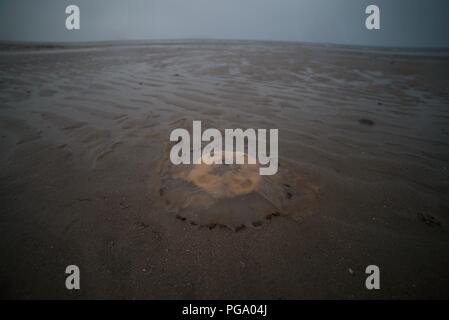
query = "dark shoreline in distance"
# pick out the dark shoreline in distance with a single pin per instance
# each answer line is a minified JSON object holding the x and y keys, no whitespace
{"x":36,"y":45}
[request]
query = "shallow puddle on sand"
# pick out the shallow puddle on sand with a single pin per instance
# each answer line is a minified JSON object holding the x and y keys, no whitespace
{"x":234,"y":196}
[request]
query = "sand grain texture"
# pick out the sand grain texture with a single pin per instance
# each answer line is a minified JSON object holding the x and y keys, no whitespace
{"x":84,"y":175}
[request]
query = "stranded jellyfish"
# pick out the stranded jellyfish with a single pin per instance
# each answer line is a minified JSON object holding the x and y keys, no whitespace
{"x":233,"y":195}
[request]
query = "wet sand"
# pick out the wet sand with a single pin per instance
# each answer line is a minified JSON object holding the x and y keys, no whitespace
{"x":85,"y":176}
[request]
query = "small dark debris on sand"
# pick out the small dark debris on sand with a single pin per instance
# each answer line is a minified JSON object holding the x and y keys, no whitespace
{"x":123,"y":205}
{"x":428,"y":219}
{"x":142,"y":225}
{"x":366,"y":122}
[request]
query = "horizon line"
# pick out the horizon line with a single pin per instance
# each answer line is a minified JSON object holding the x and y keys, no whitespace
{"x":311,"y":43}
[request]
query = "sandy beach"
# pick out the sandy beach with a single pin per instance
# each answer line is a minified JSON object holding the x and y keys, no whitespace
{"x":86,"y":179}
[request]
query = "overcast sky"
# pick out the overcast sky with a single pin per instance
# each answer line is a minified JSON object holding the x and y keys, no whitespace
{"x":417,"y":23}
